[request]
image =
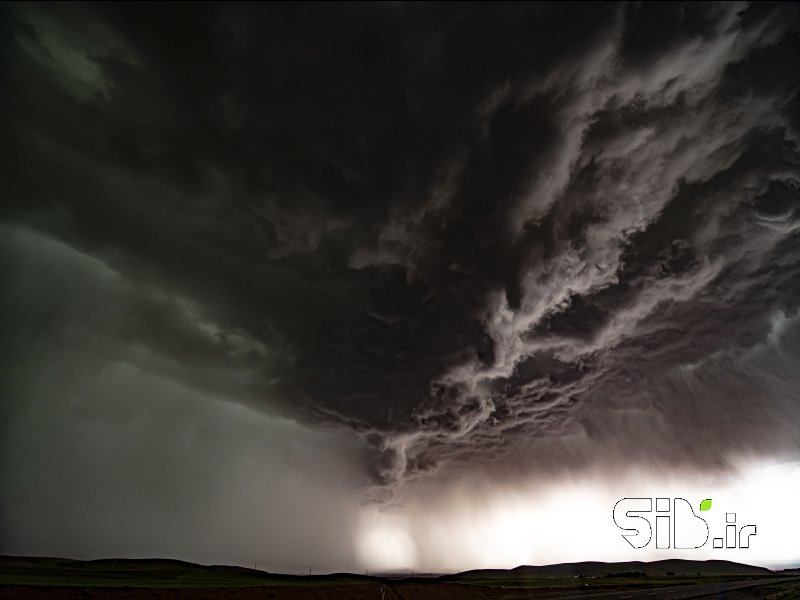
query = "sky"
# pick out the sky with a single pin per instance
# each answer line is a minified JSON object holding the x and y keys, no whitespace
{"x":420,"y":286}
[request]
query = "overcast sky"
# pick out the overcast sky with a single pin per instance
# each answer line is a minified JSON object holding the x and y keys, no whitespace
{"x":391,"y":285}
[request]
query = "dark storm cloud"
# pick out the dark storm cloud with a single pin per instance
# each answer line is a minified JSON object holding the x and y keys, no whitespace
{"x":554,"y":235}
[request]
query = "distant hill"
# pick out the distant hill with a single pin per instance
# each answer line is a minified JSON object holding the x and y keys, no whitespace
{"x":158,"y":564}
{"x":599,"y":569}
{"x":150,"y":572}
{"x":157,"y":572}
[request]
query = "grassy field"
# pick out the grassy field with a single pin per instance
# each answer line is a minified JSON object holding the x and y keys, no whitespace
{"x":176,"y":575}
{"x":788,"y":591}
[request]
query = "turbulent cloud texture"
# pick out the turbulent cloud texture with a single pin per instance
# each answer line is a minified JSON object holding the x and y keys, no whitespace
{"x":508,"y":237}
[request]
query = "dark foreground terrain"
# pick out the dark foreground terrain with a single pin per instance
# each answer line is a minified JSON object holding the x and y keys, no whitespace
{"x":22,"y":577}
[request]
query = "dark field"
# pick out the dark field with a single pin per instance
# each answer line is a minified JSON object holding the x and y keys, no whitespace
{"x":62,"y":578}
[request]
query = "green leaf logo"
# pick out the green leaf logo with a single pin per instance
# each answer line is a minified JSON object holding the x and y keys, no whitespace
{"x":705,"y":504}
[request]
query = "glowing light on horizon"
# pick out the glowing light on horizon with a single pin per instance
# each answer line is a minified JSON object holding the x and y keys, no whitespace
{"x":570,"y":521}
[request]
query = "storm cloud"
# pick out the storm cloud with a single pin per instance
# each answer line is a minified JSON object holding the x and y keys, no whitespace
{"x":507,"y":238}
